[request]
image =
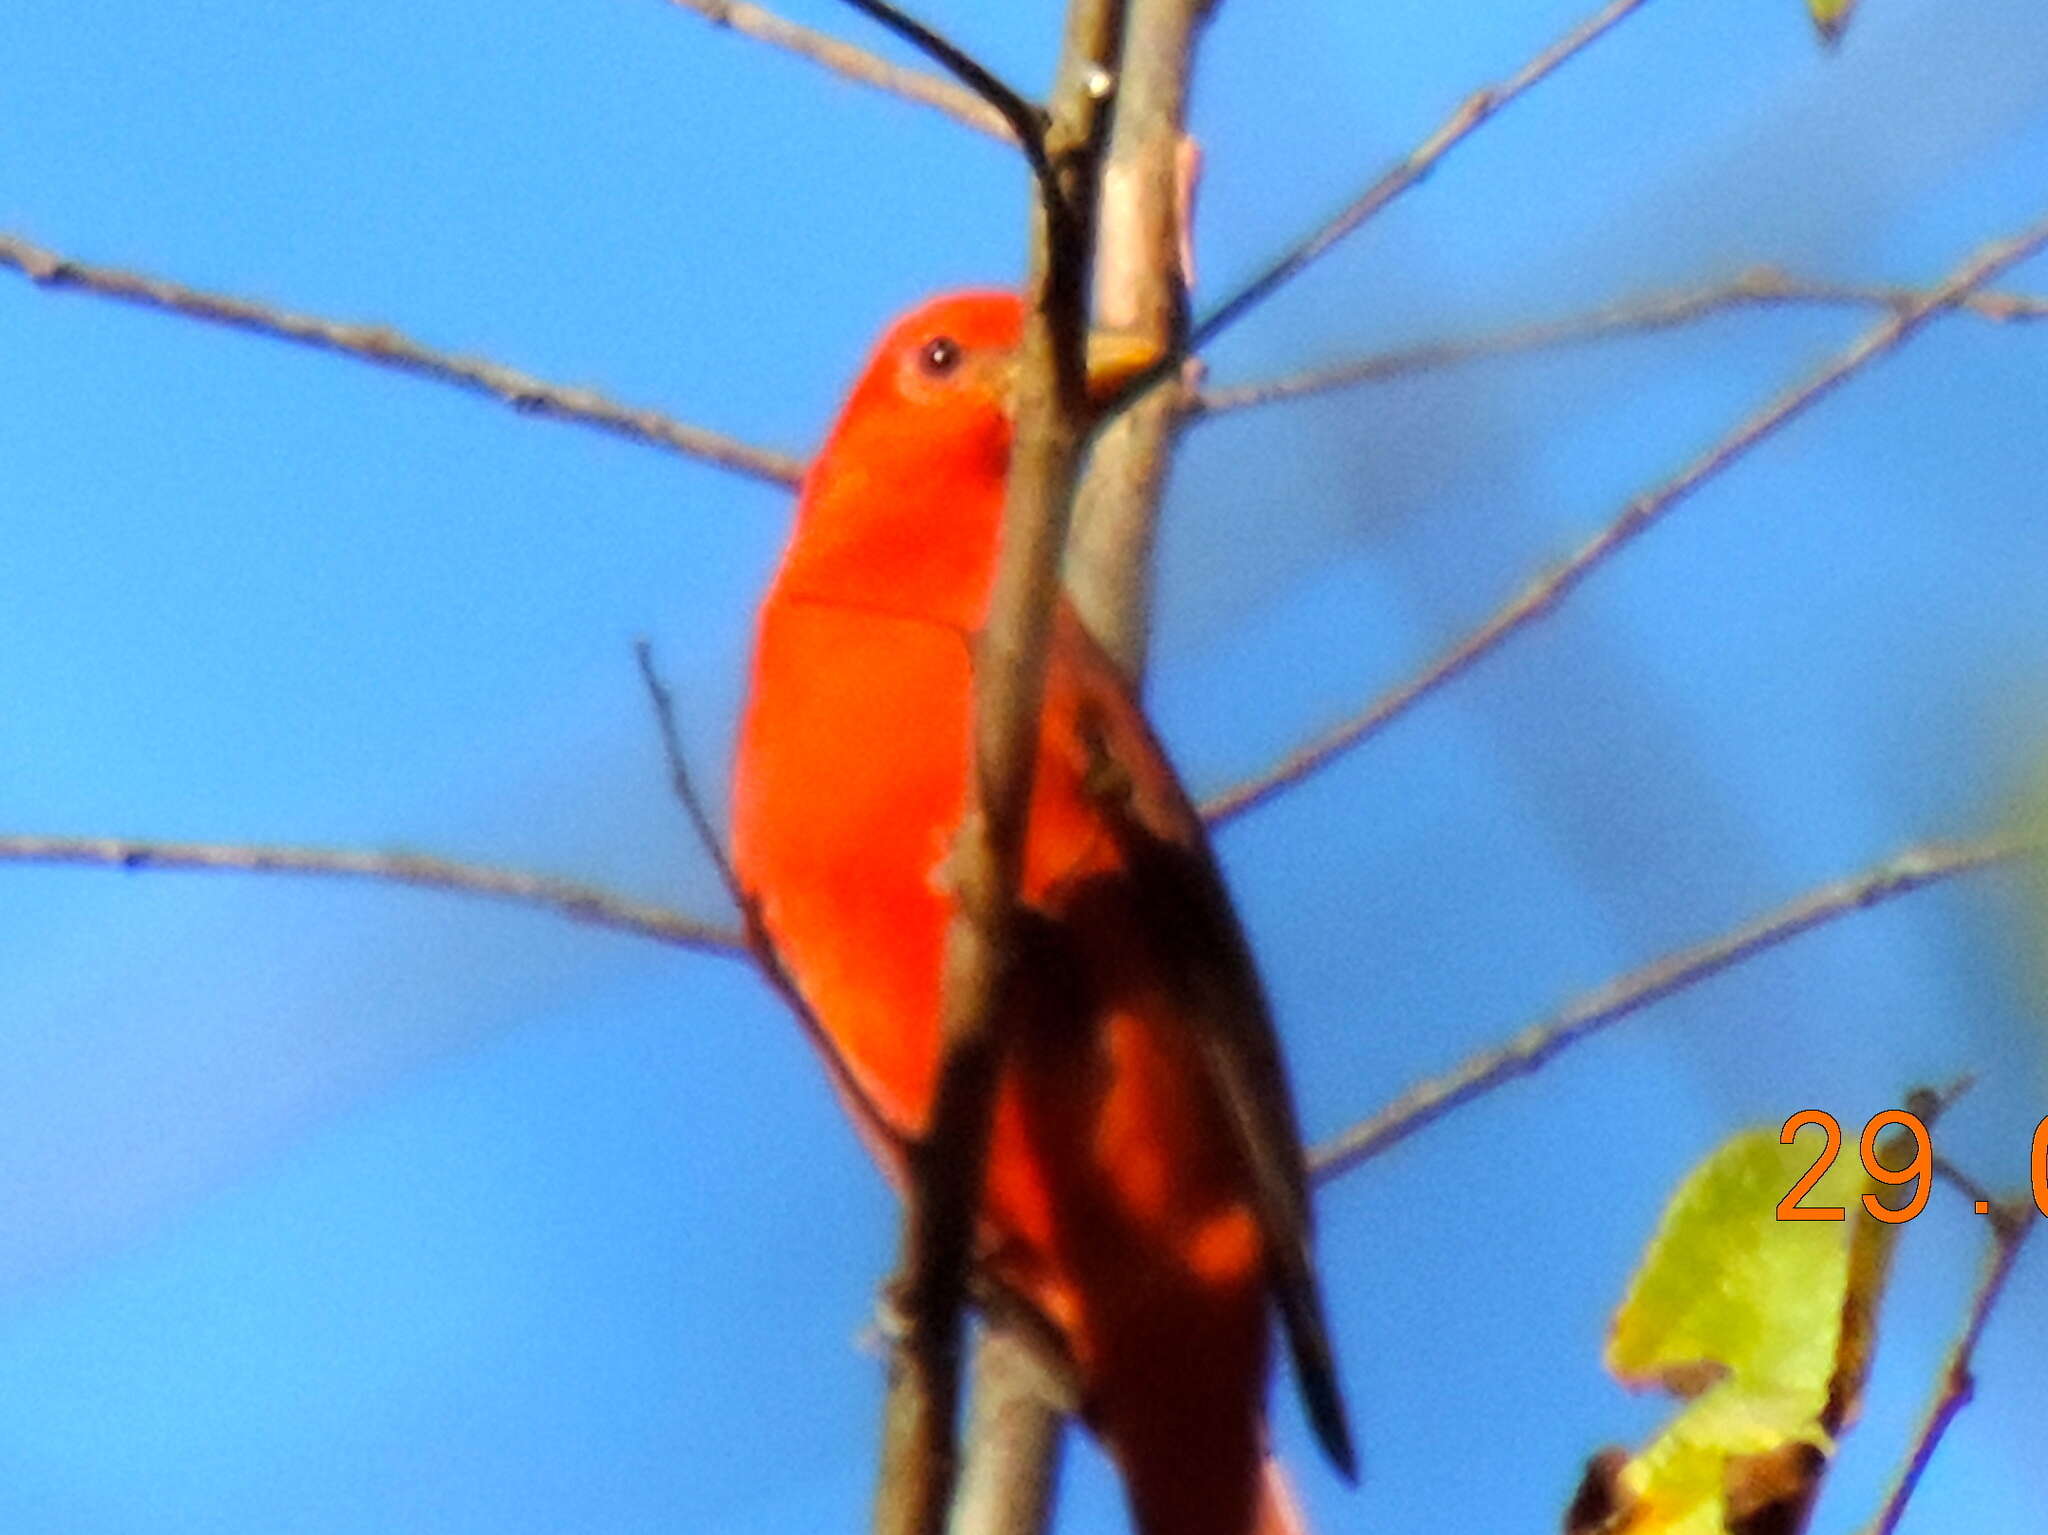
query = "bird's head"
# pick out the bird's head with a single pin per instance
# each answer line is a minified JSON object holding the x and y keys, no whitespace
{"x":902,"y":505}
{"x":934,"y":399}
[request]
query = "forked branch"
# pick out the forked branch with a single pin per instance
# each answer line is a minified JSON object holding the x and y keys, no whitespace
{"x":983,"y":867}
{"x":2011,"y":1222}
{"x":1014,"y":1425}
{"x":1459,"y":126}
{"x":1547,"y":591}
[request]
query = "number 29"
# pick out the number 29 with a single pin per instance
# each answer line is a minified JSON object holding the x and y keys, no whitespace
{"x":1919,"y":1171}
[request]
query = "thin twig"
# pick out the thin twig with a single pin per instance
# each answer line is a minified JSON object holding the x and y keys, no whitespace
{"x":1759,"y":288}
{"x":2010,"y":1225}
{"x":579,"y":902}
{"x":388,"y":348}
{"x":1476,"y":109}
{"x":855,"y":64}
{"x":680,"y":782}
{"x":1529,"y":1050}
{"x":1024,"y":117}
{"x":756,"y":939}
{"x":1545,"y":593}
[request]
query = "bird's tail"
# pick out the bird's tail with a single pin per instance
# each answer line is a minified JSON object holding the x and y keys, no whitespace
{"x":1194,"y":1495}
{"x":1177,"y":1395}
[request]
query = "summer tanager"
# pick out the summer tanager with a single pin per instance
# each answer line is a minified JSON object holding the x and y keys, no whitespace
{"x":1145,"y":1194}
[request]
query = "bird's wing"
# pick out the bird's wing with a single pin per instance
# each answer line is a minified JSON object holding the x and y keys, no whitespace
{"x":1162,"y":849}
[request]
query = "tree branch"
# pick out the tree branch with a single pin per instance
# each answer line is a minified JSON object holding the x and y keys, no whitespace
{"x":1545,"y":593}
{"x":1476,"y":109}
{"x":2010,"y":1225}
{"x":388,"y":348}
{"x":1759,"y":288}
{"x":946,"y":1168}
{"x":855,"y":64}
{"x":1530,"y":1050}
{"x":578,"y":902}
{"x":1141,"y":289}
{"x":1015,"y":1422}
{"x":1014,"y":1430}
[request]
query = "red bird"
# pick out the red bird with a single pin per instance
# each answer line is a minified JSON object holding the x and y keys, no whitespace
{"x":1145,"y":1192}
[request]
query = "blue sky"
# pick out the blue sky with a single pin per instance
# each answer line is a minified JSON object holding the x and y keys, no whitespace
{"x":348,"y":1209}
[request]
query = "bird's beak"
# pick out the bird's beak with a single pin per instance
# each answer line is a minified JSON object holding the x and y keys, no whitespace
{"x":1115,"y":357}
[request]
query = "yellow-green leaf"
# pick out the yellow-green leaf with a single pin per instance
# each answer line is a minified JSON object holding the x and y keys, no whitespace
{"x":1729,"y":1288}
{"x":1740,"y":1312}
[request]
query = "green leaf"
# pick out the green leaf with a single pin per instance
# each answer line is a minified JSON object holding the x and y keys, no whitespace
{"x":1740,"y":1312}
{"x":1727,"y":1284}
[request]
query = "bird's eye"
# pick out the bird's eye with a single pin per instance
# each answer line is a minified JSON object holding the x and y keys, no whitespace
{"x":939,"y":356}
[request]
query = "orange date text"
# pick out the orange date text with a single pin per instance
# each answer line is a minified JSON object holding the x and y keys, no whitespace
{"x":1918,"y":1171}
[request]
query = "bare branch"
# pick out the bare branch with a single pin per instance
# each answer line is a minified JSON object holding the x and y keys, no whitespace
{"x":1476,"y":109}
{"x":1545,"y":593}
{"x":1531,"y":1049}
{"x":389,"y":348}
{"x":873,"y":1128}
{"x":1140,"y":289}
{"x":1015,"y":1420}
{"x":1014,"y":1431}
{"x":855,"y":64}
{"x":2010,"y":1224}
{"x":983,"y":866}
{"x":579,"y":902}
{"x":1025,"y":119}
{"x":1759,"y":288}
{"x":680,"y":783}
